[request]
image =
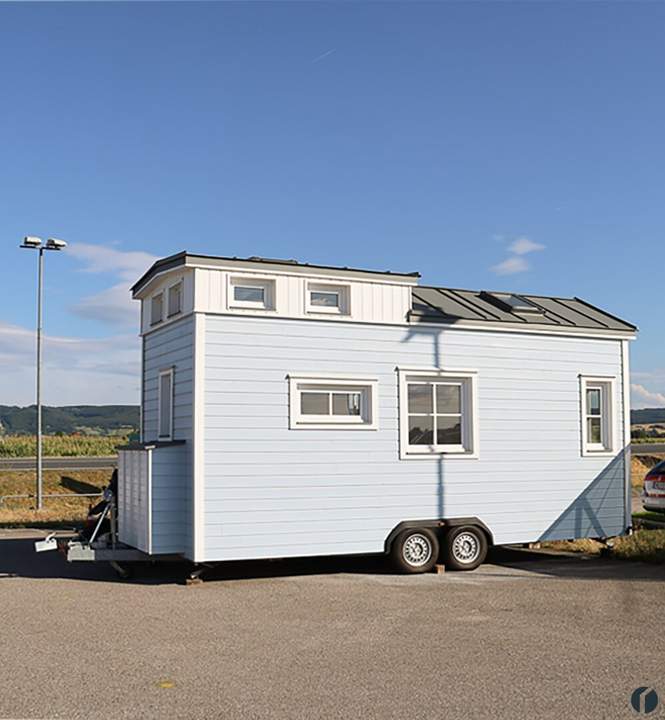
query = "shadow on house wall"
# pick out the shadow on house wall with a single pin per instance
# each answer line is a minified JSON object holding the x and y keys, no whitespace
{"x":598,"y":511}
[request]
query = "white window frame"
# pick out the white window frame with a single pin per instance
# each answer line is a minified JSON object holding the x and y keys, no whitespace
{"x":323,"y":382}
{"x":172,"y":288}
{"x":251,"y":281}
{"x":343,"y":292}
{"x":153,"y":298}
{"x":468,"y":379}
{"x":608,"y":415}
{"x":160,"y":434}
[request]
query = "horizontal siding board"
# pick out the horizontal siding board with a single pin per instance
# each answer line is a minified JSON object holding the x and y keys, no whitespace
{"x":328,"y":485}
{"x":170,"y":346}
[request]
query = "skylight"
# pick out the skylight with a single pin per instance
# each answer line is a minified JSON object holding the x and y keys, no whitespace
{"x":513,"y":303}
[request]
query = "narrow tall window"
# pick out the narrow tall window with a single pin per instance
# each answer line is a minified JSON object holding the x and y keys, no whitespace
{"x":437,"y":414}
{"x":165,"y":405}
{"x":175,"y":299}
{"x":156,"y":308}
{"x":597,"y":415}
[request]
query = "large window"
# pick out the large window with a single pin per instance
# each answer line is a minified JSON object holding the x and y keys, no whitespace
{"x":597,"y":415}
{"x":318,"y":402}
{"x":156,"y":308}
{"x":437,"y":413}
{"x":175,"y":299}
{"x":165,"y":405}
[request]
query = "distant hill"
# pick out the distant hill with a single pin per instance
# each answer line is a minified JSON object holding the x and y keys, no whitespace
{"x":95,"y":419}
{"x":647,"y":415}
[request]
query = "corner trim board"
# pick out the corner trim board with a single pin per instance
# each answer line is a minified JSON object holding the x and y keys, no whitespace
{"x":198,"y":435}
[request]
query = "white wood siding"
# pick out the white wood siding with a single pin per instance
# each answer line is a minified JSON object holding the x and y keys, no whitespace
{"x":162,"y":284}
{"x":134,"y":516}
{"x":271,"y":491}
{"x":170,"y":346}
{"x":375,"y":302}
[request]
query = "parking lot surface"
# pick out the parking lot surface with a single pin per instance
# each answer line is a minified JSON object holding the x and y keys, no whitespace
{"x":527,"y":635}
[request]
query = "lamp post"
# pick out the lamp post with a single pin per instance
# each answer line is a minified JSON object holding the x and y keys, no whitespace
{"x":34,"y":243}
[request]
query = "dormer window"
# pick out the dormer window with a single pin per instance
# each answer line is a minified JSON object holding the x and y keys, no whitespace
{"x":175,"y":299}
{"x":331,"y":299}
{"x":251,"y":293}
{"x":157,"y":308}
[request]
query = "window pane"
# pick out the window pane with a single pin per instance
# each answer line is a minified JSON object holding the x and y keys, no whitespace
{"x":420,"y":398}
{"x":448,"y":431}
{"x":324,"y":299}
{"x":593,"y":430}
{"x":165,"y":398}
{"x":448,"y":398}
{"x":174,"y":299}
{"x":346,"y":403}
{"x":156,"y":309}
{"x":421,"y":430}
{"x":314,"y":403}
{"x":593,"y":401}
{"x":249,"y":294}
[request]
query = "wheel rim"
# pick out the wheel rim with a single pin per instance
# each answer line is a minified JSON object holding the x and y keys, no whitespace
{"x":466,"y":548}
{"x":417,"y":550}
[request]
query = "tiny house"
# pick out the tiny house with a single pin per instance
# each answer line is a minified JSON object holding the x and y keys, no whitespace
{"x":290,"y":409}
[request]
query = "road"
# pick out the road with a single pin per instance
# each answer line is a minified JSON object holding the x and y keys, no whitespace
{"x":93,"y":463}
{"x":60,"y":463}
{"x":647,"y":448}
{"x":526,"y":636}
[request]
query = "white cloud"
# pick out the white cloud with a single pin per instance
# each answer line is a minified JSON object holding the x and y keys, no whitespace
{"x":645,"y":398}
{"x":522,"y":246}
{"x":516,"y":262}
{"x":112,"y":306}
{"x":76,"y":370}
{"x":511,"y":266}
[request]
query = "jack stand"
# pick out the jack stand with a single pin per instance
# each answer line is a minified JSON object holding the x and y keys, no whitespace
{"x":439,"y":569}
{"x":195,"y":576}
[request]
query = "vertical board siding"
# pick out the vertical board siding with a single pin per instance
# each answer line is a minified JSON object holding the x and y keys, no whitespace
{"x":375,"y":302}
{"x":273,"y":491}
{"x":170,"y":346}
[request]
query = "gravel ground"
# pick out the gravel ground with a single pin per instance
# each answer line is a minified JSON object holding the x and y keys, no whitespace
{"x":529,"y":635}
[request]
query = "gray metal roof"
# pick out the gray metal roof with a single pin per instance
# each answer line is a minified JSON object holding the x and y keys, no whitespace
{"x":184,"y":258}
{"x":449,"y":305}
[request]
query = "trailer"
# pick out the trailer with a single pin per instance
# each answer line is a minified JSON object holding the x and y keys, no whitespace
{"x":293,"y":410}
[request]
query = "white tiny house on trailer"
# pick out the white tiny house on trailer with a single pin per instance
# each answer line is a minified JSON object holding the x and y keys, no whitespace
{"x":292,"y":409}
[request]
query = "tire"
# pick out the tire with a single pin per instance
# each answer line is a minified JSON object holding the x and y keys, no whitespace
{"x":414,"y":551}
{"x":465,"y":548}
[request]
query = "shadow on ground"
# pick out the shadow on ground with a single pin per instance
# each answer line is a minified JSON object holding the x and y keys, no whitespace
{"x":18,"y":559}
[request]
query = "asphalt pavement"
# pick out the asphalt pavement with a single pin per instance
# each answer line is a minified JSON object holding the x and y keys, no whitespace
{"x":60,"y":463}
{"x":527,"y":635}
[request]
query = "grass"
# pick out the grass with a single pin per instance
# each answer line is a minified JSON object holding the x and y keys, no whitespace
{"x":67,"y":510}
{"x":643,"y":545}
{"x":17,"y":446}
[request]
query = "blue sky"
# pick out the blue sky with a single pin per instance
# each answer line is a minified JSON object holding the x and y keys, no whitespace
{"x":496,"y":146}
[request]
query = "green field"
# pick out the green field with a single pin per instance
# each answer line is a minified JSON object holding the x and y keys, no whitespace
{"x":18,"y":446}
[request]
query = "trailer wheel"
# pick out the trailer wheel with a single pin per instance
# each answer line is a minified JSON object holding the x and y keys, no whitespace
{"x":465,"y":547}
{"x":414,"y":551}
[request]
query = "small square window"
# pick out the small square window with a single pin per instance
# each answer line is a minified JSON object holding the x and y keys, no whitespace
{"x":324,"y":298}
{"x":157,"y":308}
{"x":175,"y":299}
{"x":597,"y":415}
{"x":328,"y":403}
{"x":251,"y":293}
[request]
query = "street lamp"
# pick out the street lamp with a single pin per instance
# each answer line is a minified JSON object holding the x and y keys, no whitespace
{"x":34,"y":243}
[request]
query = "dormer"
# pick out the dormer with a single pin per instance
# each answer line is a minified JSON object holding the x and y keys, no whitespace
{"x":186,"y":283}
